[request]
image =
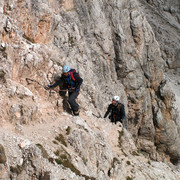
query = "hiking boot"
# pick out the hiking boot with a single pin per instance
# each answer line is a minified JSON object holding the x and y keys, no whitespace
{"x":76,"y":113}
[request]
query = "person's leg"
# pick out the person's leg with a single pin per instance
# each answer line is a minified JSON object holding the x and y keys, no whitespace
{"x":117,"y":119}
{"x":62,"y":93}
{"x":63,"y":88}
{"x":73,"y":103}
{"x":112,"y":118}
{"x":66,"y":105}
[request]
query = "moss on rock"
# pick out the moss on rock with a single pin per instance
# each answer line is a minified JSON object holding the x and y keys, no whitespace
{"x":44,"y":152}
{"x":61,"y":139}
{"x":3,"y":158}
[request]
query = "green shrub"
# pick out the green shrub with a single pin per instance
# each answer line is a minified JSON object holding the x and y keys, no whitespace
{"x":2,"y":74}
{"x":120,"y":136}
{"x":28,"y":38}
{"x":57,"y":153}
{"x":61,"y":139}
{"x":58,"y":161}
{"x":3,"y":158}
{"x":128,"y":162}
{"x":128,"y":178}
{"x":84,"y":160}
{"x":65,"y":160}
{"x":68,"y":130}
{"x":44,"y":152}
{"x":114,"y":161}
{"x":55,"y":142}
{"x":3,"y":49}
{"x":134,"y":153}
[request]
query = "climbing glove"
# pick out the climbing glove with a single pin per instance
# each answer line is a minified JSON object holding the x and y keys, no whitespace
{"x":47,"y":87}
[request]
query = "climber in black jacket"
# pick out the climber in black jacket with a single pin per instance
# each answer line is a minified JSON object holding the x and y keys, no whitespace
{"x":71,"y":81}
{"x":117,"y":111}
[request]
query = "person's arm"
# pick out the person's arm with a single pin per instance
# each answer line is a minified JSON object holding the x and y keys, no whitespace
{"x":108,"y":111}
{"x":79,"y":81}
{"x":56,"y":83}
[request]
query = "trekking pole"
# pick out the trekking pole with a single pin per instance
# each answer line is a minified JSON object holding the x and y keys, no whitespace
{"x":33,"y":80}
{"x":61,"y":90}
{"x":57,"y":90}
{"x":28,"y":80}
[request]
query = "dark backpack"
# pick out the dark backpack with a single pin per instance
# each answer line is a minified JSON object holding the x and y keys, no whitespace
{"x":119,"y":107}
{"x":72,"y":71}
{"x":73,"y":82}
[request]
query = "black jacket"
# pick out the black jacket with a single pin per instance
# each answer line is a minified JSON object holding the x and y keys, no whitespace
{"x":116,"y":111}
{"x":68,"y":81}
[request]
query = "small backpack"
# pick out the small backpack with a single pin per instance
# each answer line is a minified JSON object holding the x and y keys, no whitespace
{"x":72,"y":71}
{"x":119,"y":107}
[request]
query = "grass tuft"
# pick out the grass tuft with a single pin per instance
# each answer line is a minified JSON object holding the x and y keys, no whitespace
{"x":128,"y":178}
{"x":44,"y":152}
{"x":65,"y":160}
{"x":120,"y":136}
{"x":55,"y":142}
{"x":134,"y":153}
{"x":28,"y":38}
{"x":128,"y":162}
{"x":61,"y":139}
{"x":68,"y":130}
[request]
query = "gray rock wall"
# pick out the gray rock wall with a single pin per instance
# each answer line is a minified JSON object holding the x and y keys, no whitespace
{"x":164,"y":18}
{"x":113,"y":47}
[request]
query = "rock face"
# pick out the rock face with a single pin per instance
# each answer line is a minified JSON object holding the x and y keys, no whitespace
{"x":75,"y":148}
{"x":117,"y":49}
{"x":164,"y":17}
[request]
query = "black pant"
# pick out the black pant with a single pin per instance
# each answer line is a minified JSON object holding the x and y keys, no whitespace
{"x":115,"y":119}
{"x":72,"y":100}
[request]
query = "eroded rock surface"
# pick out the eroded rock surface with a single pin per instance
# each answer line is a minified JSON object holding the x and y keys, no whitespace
{"x":119,"y":48}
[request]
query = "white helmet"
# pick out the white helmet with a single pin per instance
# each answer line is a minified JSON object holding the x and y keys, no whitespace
{"x":66,"y":69}
{"x":116,"y":98}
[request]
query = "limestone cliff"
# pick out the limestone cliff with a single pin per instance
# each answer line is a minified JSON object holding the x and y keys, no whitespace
{"x":117,"y":49}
